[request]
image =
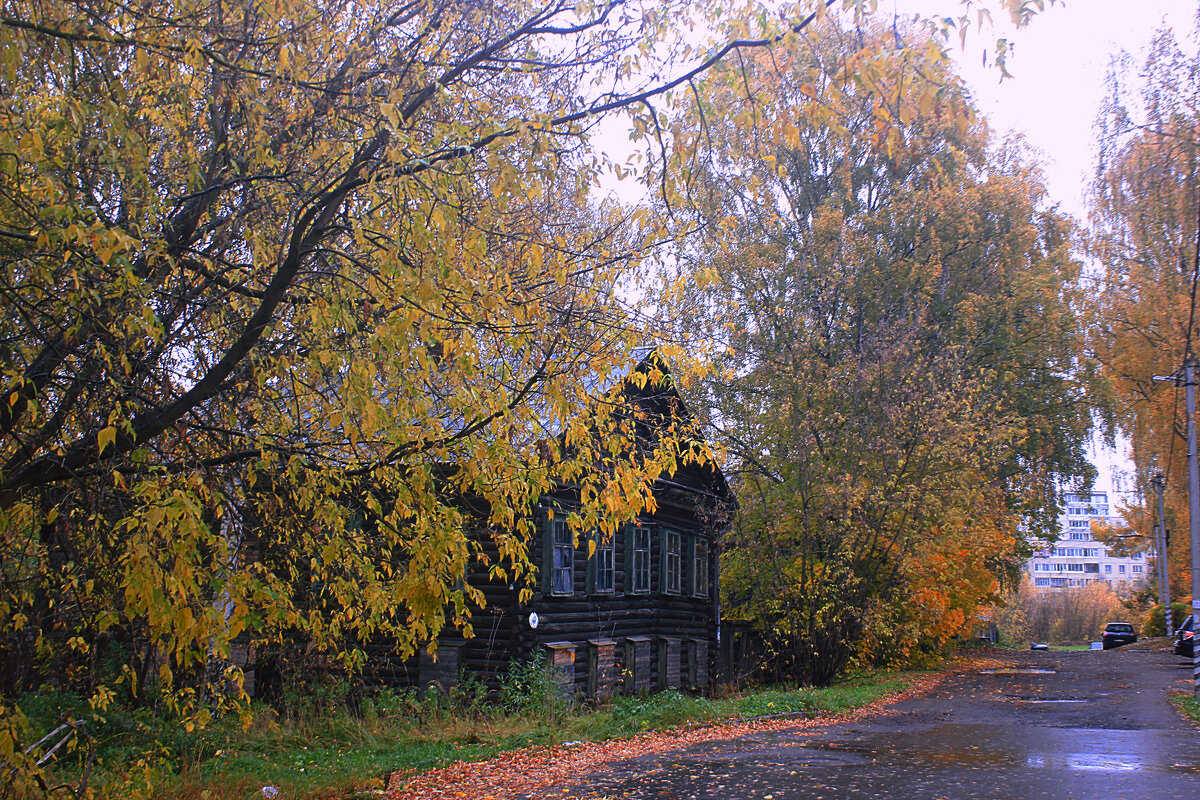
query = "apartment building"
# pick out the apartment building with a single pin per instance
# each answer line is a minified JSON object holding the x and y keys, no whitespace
{"x":1077,"y":559}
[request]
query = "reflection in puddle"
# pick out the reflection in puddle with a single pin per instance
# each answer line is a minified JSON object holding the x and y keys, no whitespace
{"x":948,"y":747}
{"x":1017,"y":671}
{"x":1032,"y":701}
{"x":1087,"y":762}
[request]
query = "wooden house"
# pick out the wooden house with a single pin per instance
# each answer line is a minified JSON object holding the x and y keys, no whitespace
{"x":639,"y":614}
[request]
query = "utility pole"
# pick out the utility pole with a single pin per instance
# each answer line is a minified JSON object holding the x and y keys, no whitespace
{"x":1189,"y":382}
{"x":1160,"y":545}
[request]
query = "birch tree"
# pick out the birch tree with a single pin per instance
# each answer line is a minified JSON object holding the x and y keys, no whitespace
{"x":890,"y":310}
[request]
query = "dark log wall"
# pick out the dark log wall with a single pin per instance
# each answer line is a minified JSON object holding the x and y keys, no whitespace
{"x":681,"y":628}
{"x":673,"y":635}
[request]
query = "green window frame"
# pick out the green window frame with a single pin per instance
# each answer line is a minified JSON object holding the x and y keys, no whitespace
{"x":602,"y":572}
{"x":558,"y":560}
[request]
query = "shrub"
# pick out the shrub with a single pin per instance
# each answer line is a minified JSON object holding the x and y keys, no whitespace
{"x":1154,"y":623}
{"x":532,"y":687}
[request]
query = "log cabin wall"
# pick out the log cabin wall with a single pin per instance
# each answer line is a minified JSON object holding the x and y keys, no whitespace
{"x":659,"y":635}
{"x":630,"y":638}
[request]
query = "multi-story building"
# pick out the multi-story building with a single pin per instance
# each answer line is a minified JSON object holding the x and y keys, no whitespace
{"x":1078,"y":559}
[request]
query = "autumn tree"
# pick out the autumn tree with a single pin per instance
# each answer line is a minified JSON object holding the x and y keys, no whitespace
{"x":284,"y":281}
{"x":1071,"y":614}
{"x":1145,"y":237}
{"x":888,"y":309}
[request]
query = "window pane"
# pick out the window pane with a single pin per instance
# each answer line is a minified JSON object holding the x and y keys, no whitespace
{"x":564,"y":559}
{"x":672,"y":556}
{"x":641,"y":559}
{"x":700,"y":570}
{"x":603,"y":564}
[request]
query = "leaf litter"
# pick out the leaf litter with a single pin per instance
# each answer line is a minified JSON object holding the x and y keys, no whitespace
{"x":549,"y":771}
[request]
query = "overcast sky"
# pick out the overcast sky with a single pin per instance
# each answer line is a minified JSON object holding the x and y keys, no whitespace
{"x":1059,"y":67}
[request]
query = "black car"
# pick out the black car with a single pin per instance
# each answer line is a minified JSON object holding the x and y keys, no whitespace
{"x":1116,"y":634}
{"x":1184,"y":638}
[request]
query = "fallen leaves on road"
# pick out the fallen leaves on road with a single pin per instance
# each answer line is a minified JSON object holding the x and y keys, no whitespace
{"x":542,"y":771}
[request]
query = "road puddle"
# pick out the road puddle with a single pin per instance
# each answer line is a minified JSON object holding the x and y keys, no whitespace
{"x":955,"y":746}
{"x":1087,"y":762}
{"x":1018,"y":671}
{"x":1108,"y":762}
{"x":1042,"y":701}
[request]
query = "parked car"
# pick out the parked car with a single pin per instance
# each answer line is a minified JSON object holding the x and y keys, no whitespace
{"x":1116,"y":634}
{"x":1185,"y":638}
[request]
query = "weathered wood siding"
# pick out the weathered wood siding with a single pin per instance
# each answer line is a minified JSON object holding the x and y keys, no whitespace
{"x":609,"y":642}
{"x":673,"y":635}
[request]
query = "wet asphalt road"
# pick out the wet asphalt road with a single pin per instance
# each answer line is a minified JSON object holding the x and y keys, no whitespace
{"x":1046,"y":725}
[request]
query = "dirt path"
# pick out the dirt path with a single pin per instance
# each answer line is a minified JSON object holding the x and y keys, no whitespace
{"x":545,"y":772}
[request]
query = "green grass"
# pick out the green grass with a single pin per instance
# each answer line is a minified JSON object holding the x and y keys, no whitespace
{"x":627,"y":716}
{"x":328,"y":753}
{"x":1186,"y":704}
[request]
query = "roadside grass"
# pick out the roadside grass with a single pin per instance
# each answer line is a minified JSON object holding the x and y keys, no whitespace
{"x":333,"y":753}
{"x":1186,"y":704}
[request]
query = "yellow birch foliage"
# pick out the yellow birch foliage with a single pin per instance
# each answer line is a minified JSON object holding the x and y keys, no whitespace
{"x":888,"y":312}
{"x":286,"y":283}
{"x":1146,"y":240}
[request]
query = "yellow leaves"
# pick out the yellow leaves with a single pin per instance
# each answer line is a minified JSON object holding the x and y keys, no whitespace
{"x":925,"y":100}
{"x":31,"y":147}
{"x":106,"y":437}
{"x":534,"y":259}
{"x":102,"y":698}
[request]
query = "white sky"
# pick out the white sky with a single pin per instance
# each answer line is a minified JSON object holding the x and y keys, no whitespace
{"x":1058,"y":66}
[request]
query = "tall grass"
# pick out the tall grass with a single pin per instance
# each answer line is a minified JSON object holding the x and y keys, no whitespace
{"x":320,"y":749}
